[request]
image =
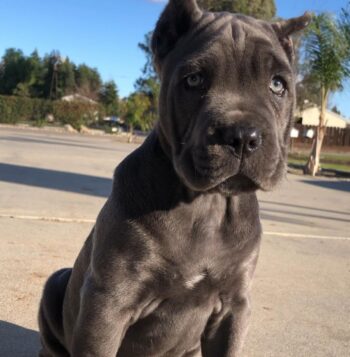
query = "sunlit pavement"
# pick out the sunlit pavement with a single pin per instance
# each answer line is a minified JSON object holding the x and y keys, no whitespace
{"x":53,"y":185}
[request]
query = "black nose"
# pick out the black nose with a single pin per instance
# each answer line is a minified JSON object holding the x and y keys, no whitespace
{"x":242,"y":140}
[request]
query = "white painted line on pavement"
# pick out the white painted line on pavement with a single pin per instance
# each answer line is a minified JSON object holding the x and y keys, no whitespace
{"x":85,"y":220}
{"x":48,"y":219}
{"x":309,"y":236}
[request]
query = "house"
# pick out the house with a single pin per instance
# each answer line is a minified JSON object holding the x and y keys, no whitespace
{"x":78,"y":98}
{"x":306,"y":123}
{"x":311,"y":117}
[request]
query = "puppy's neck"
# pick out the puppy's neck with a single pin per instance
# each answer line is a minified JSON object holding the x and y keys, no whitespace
{"x":163,"y":142}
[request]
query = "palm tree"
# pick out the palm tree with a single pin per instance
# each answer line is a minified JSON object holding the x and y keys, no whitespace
{"x":327,"y":59}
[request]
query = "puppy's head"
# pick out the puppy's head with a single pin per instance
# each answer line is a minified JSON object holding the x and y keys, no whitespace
{"x":227,"y":96}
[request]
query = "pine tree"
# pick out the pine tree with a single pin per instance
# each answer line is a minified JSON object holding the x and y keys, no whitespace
{"x":109,"y":98}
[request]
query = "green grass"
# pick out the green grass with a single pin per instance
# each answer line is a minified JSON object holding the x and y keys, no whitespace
{"x":324,"y":164}
{"x":329,"y":158}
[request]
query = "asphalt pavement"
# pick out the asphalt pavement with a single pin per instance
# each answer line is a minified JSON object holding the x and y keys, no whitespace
{"x":52,"y":186}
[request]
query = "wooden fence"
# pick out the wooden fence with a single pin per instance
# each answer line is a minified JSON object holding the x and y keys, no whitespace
{"x":334,"y":136}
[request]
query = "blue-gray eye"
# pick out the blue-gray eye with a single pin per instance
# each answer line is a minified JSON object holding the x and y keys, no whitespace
{"x":278,"y":85}
{"x":194,"y":80}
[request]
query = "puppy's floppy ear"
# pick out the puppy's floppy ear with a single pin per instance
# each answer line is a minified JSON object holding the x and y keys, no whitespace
{"x":285,"y":28}
{"x":174,"y":22}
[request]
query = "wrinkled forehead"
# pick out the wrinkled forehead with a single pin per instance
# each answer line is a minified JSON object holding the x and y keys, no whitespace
{"x":236,"y":37}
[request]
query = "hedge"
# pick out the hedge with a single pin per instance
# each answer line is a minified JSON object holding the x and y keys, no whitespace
{"x":15,"y":109}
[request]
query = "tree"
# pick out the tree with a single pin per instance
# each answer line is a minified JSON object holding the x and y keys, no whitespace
{"x":336,"y":110}
{"x":149,"y":83}
{"x":14,"y":70}
{"x":37,"y":71}
{"x":261,"y":9}
{"x":109,"y":98}
{"x":21,"y":75}
{"x":88,"y":81}
{"x":50,"y":77}
{"x":344,"y":22}
{"x":66,"y":77}
{"x":51,"y":64}
{"x":327,"y":57}
{"x":62,"y":77}
{"x":307,"y":90}
{"x":148,"y":69}
{"x":134,"y":110}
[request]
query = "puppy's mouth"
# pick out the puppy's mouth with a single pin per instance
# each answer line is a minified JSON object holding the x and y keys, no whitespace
{"x":202,"y":172}
{"x":217,"y":169}
{"x":214,"y":166}
{"x":227,"y":178}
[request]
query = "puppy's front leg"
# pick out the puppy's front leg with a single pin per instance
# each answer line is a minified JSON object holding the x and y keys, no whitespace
{"x":103,"y":319}
{"x":226,"y":331}
{"x":239,"y":328}
{"x":227,"y":338}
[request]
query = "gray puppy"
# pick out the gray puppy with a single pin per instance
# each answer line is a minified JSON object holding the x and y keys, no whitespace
{"x":167,"y":268}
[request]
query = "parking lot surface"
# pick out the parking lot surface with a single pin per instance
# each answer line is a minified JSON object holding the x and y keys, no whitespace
{"x":52,"y":186}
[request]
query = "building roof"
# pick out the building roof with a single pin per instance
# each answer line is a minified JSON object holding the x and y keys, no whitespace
{"x":78,"y":97}
{"x":311,"y":117}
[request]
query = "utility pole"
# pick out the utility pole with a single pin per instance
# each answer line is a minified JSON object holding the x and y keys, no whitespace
{"x":57,"y":61}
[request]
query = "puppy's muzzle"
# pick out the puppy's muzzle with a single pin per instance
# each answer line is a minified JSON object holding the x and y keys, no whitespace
{"x":241,"y":140}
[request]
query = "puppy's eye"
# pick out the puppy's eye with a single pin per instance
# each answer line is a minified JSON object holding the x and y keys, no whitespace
{"x":194,"y":80}
{"x":278,"y":85}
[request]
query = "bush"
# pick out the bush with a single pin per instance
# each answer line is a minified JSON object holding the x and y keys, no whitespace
{"x":15,"y":109}
{"x":21,"y":109}
{"x":76,"y":113}
{"x":6,"y":107}
{"x":40,"y":110}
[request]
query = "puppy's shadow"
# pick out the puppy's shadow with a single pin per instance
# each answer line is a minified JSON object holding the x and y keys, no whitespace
{"x":17,"y":341}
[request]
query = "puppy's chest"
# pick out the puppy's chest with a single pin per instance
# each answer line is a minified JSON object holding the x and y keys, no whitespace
{"x":198,"y":253}
{"x":204,"y":264}
{"x":187,"y":289}
{"x":191,"y":282}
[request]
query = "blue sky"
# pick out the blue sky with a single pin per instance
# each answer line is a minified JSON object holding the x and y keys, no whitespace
{"x":104,"y":33}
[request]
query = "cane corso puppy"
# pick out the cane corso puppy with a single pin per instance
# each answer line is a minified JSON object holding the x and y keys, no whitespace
{"x":166,"y":270}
